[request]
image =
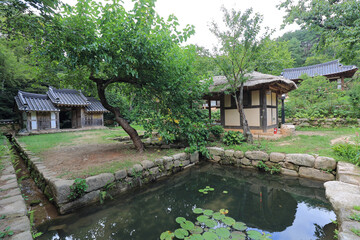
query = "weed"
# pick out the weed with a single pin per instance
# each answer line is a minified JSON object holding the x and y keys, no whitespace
{"x":357,"y":208}
{"x":78,"y":189}
{"x":356,"y":231}
{"x":272,"y":170}
{"x":7,"y":232}
{"x":355,"y":217}
{"x":34,"y":233}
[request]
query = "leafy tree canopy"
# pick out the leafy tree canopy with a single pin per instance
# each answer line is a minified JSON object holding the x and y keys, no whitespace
{"x":134,"y":49}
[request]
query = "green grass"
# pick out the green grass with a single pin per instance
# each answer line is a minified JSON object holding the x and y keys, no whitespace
{"x":311,"y":144}
{"x":3,"y":151}
{"x":43,"y":142}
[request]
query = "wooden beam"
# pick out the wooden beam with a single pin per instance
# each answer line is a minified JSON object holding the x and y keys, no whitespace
{"x":209,"y":106}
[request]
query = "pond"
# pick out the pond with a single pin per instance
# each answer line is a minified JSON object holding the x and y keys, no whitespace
{"x":287,"y":208}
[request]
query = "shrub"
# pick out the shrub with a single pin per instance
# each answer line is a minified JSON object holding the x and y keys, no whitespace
{"x":78,"y":189}
{"x":217,"y":130}
{"x":233,"y":138}
{"x":348,"y":152}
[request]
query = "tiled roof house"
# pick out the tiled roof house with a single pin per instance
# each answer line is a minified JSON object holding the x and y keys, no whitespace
{"x":333,"y":70}
{"x":57,"y":109}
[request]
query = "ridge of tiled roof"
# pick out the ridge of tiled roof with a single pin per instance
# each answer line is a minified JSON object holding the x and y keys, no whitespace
{"x":34,"y":102}
{"x":69,"y":97}
{"x":322,"y":69}
{"x":95,"y":106}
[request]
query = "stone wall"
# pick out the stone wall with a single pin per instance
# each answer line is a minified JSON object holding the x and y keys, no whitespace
{"x":297,"y":165}
{"x":323,"y":122}
{"x":57,"y":190}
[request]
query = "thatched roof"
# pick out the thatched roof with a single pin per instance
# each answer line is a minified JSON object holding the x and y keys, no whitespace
{"x":256,"y":81}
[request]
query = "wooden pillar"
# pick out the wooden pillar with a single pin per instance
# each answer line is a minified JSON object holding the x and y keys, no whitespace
{"x":222,"y":110}
{"x":209,"y":106}
{"x":263,"y":110}
{"x":342,"y":83}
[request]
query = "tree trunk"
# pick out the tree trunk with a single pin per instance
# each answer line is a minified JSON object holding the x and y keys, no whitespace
{"x":122,"y":122}
{"x":243,"y":122}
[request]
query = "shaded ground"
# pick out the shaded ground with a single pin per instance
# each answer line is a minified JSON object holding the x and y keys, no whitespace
{"x":82,"y":160}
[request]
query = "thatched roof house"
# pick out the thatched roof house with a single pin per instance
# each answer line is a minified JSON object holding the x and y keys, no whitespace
{"x":261,"y":93}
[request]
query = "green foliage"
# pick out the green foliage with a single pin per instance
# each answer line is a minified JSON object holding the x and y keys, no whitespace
{"x":348,"y":152}
{"x":217,"y":130}
{"x":206,"y":190}
{"x":212,"y":225}
{"x":275,"y":169}
{"x":78,"y":189}
{"x":357,"y":208}
{"x":34,"y":232}
{"x":355,"y":217}
{"x":335,"y":21}
{"x":6,"y":233}
{"x":316,"y":97}
{"x":356,"y":231}
{"x":233,"y":138}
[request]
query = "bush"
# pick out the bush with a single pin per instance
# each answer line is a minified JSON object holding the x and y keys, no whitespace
{"x":78,"y":189}
{"x":217,"y":130}
{"x":348,"y":152}
{"x":233,"y":138}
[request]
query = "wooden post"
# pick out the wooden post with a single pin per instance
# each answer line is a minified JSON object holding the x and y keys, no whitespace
{"x":342,"y":83}
{"x":263,"y":110}
{"x":209,"y":106}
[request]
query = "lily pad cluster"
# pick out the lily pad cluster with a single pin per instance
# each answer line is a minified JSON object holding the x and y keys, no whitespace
{"x":206,"y":190}
{"x":212,"y":225}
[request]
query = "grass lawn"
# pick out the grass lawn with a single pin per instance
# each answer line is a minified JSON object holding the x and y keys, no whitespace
{"x":42,"y":142}
{"x":306,"y":140}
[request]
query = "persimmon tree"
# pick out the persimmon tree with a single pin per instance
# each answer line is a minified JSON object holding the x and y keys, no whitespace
{"x":239,"y":44}
{"x":138,"y":49}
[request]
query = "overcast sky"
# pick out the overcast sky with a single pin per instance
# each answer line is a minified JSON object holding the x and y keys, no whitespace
{"x":201,"y":13}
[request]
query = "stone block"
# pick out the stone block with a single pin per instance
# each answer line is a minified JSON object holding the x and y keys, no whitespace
{"x":146,"y":164}
{"x":177,"y":163}
{"x":349,"y":197}
{"x":14,"y":209}
{"x":349,"y":178}
{"x":277,"y":157}
{"x":216,"y":158}
{"x":257,"y":155}
{"x":185,"y":163}
{"x":301,"y":159}
{"x":22,"y":236}
{"x":180,"y":156}
{"x":121,"y":174}
{"x":167,"y":159}
{"x":194,"y":157}
{"x":85,"y":200}
{"x":216,"y":151}
{"x":245,"y":161}
{"x":60,"y":190}
{"x":154,"y":170}
{"x":239,"y":154}
{"x":159,"y":162}
{"x":290,"y":166}
{"x":134,"y":170}
{"x":325,"y":163}
{"x":229,"y":153}
{"x":289,"y":172}
{"x":315,"y":174}
{"x":99,"y":181}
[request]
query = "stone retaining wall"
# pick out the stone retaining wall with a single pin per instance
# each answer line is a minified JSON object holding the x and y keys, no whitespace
{"x":323,"y":122}
{"x":297,"y":165}
{"x":12,"y":205}
{"x":57,"y":190}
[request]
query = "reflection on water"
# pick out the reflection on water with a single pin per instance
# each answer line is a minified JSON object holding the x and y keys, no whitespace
{"x":288,"y":208}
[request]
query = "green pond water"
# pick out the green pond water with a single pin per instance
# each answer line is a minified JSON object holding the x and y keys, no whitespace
{"x":287,"y":208}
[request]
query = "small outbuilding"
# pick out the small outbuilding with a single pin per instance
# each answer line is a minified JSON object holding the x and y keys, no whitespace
{"x":261,"y":93}
{"x":58,"y":109}
{"x":333,"y":70}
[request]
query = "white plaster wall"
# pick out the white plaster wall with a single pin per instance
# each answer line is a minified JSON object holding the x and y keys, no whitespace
{"x":255,"y":98}
{"x":232,"y":117}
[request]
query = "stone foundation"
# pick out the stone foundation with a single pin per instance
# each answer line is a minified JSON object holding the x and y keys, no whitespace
{"x":297,"y":165}
{"x":57,"y":190}
{"x":324,"y":122}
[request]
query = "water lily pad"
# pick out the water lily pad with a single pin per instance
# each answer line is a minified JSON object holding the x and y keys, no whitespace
{"x":238,"y":235}
{"x":224,"y":211}
{"x":210,"y":223}
{"x":222,"y":232}
{"x":195,"y":237}
{"x":225,"y":192}
{"x":197,"y":210}
{"x":228,"y":221}
{"x":210,"y":189}
{"x":240,"y":226}
{"x":255,"y":235}
{"x":187,"y":225}
{"x":208,"y":212}
{"x":218,"y":216}
{"x":210,"y":236}
{"x":181,"y":233}
{"x":205,"y":192}
{"x":180,"y":220}
{"x":201,"y":190}
{"x":167,"y":235}
{"x":196,"y":230}
{"x":202,"y":218}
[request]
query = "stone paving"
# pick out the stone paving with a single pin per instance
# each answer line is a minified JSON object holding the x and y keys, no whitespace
{"x":344,"y":194}
{"x":12,"y":205}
